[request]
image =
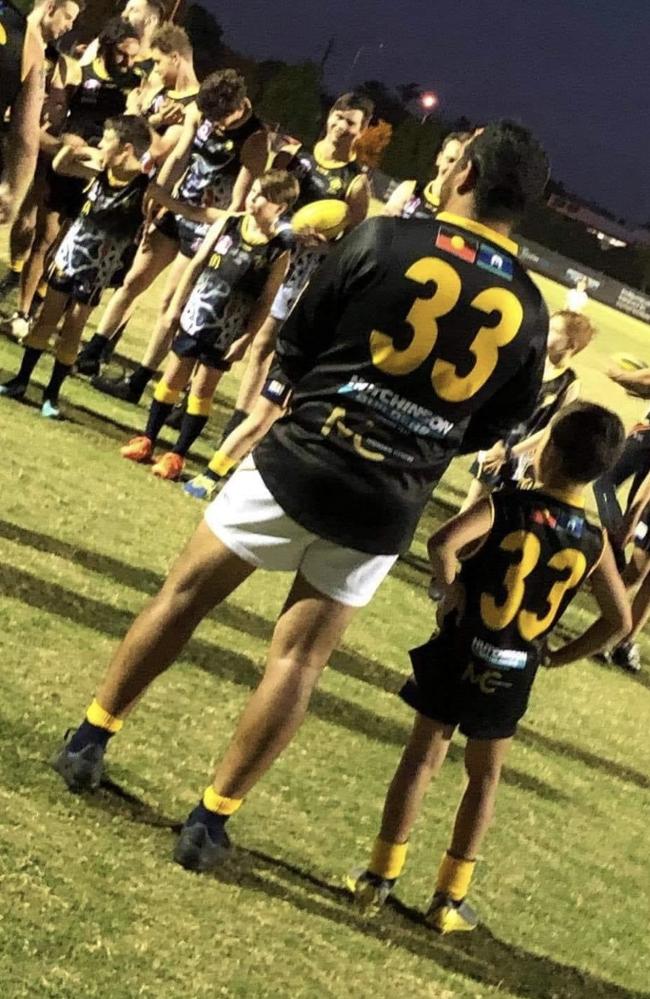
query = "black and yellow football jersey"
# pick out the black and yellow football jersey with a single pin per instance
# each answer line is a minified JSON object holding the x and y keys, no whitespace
{"x":96,"y":96}
{"x":320,"y":178}
{"x":165,"y":95}
{"x":226,"y":291}
{"x":422,"y":204}
{"x":479,"y":670}
{"x":634,"y":463}
{"x":12,"y":41}
{"x":215,"y":161}
{"x":414,"y":341}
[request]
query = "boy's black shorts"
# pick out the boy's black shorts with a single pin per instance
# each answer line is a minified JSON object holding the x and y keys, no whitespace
{"x":188,"y":235}
{"x":200,"y":349}
{"x":65,"y":195}
{"x":452,"y":685}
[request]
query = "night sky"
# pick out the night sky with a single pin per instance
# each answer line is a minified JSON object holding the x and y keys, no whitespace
{"x":577,"y":72}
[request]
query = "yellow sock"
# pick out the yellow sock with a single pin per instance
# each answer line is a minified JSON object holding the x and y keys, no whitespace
{"x":454,"y":876}
{"x":166,"y":394}
{"x":219,"y":804}
{"x":96,"y":715}
{"x":17,"y":266}
{"x":221,"y":463}
{"x":388,"y":859}
{"x":199,"y":405}
{"x":41,"y":291}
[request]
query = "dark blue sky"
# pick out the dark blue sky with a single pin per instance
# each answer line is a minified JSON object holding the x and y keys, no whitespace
{"x":577,"y":72}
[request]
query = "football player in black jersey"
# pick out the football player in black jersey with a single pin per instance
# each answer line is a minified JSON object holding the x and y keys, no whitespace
{"x":329,"y":170}
{"x":22,"y":72}
{"x":223,"y":297}
{"x":415,"y":340}
{"x":145,"y":16}
{"x":411,"y":199}
{"x":79,"y":101}
{"x":208,"y":167}
{"x":90,"y":251}
{"x":523,"y":557}
{"x":510,"y":462}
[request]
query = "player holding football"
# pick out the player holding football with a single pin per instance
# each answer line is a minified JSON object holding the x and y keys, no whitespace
{"x":403,"y":351}
{"x":529,"y":553}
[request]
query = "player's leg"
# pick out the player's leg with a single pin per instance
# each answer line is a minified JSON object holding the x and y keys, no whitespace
{"x":477,"y":491}
{"x":195,"y":417}
{"x":421,"y":760}
{"x":155,"y":252}
{"x":161,"y":338}
{"x":627,"y":654}
{"x":21,"y":236}
{"x":36,"y":342}
{"x":204,"y":574}
{"x":236,"y":446}
{"x":259,"y":361}
{"x":48,"y":227}
{"x":484,"y":759}
{"x":67,"y":347}
{"x":168,"y":391}
{"x":308,"y":630}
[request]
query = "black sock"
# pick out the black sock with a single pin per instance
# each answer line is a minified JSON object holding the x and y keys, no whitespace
{"x":238,"y":416}
{"x":209,"y":474}
{"x":114,"y":340}
{"x":158,"y":413}
{"x":30,"y":359}
{"x":141,"y":377}
{"x":191,"y":428}
{"x":212,"y":820}
{"x":96,"y":346}
{"x":59,"y":374}
{"x":89,"y":735}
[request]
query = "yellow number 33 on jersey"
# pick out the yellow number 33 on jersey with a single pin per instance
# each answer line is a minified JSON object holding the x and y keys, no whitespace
{"x":423,"y":319}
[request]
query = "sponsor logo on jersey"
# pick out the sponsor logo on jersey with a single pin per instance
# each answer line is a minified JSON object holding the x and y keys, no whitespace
{"x":223,"y":244}
{"x":458,"y":245}
{"x":204,"y":131}
{"x":495,"y":261}
{"x":503,"y":658}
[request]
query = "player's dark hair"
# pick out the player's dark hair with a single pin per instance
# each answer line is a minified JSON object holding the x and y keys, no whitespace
{"x":114,"y":32}
{"x":461,"y":137}
{"x":279,"y":187}
{"x":579,"y":329}
{"x":511,"y":167}
{"x":587,"y":439}
{"x":81,"y":4}
{"x":354,"y":101}
{"x":133,"y":129}
{"x":170,"y":38}
{"x":221,"y":94}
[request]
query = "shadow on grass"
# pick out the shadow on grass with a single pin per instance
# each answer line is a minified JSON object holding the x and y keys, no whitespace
{"x":479,"y":956}
{"x":231,"y":666}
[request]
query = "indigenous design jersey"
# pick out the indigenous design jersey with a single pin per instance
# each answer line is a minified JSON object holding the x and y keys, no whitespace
{"x":414,"y":341}
{"x":422,"y":204}
{"x":549,"y":402}
{"x":226,"y":291}
{"x":215,"y":161}
{"x":111,"y":215}
{"x":320,"y":178}
{"x":12,"y":41}
{"x":521,"y":580}
{"x":97,"y":97}
{"x":163,"y":96}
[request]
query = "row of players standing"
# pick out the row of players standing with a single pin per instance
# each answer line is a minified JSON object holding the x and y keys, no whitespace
{"x":209,"y":147}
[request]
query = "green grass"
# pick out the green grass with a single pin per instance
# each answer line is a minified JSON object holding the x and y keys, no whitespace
{"x":90,"y":905}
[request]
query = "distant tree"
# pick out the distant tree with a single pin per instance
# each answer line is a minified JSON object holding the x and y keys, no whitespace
{"x":388,"y":105}
{"x":408,"y":92}
{"x":413,"y":148}
{"x":371,"y":144}
{"x":291,"y":98}
{"x":206,"y":36}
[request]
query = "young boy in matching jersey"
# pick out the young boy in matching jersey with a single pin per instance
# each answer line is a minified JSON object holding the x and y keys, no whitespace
{"x":523,"y":554}
{"x":90,"y":252}
{"x":223,"y":297}
{"x":510,"y":462}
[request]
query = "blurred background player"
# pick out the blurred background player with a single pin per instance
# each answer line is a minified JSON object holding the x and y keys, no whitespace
{"x":48,"y":22}
{"x":207,"y":168}
{"x":336,"y":488}
{"x":143,"y":15}
{"x":329,"y":170}
{"x":531,"y":551}
{"x":411,"y":199}
{"x":90,"y":252}
{"x":80,"y":100}
{"x":510,"y":462}
{"x":22,"y":71}
{"x":224,"y":295}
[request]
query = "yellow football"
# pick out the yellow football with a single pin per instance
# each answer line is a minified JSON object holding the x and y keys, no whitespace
{"x":328,"y":217}
{"x":628,"y":363}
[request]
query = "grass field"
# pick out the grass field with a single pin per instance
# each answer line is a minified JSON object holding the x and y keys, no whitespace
{"x":90,"y":905}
